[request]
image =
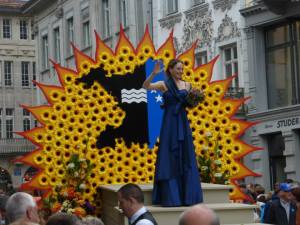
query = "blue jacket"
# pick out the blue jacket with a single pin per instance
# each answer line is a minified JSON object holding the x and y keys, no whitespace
{"x":277,"y":214}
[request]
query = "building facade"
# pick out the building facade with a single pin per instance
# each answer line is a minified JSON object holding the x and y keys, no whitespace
{"x":17,"y":70}
{"x":259,"y":42}
{"x":215,"y":24}
{"x":272,"y":30}
{"x":60,"y":23}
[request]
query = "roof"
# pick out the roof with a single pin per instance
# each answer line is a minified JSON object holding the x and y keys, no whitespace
{"x":34,"y":6}
{"x":9,"y":6}
{"x":12,"y":3}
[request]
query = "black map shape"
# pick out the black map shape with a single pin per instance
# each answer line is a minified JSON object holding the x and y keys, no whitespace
{"x":135,"y":124}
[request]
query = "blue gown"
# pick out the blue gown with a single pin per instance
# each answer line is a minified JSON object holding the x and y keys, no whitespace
{"x":177,"y":180}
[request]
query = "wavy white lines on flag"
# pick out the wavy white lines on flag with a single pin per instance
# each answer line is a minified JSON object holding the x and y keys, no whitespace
{"x":134,"y":95}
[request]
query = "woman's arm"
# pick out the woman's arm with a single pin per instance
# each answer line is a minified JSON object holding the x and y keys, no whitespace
{"x":159,"y":85}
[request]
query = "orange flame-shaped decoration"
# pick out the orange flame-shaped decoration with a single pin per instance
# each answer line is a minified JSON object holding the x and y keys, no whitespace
{"x":75,"y":116}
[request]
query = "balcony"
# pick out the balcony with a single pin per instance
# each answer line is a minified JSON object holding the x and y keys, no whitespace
{"x":15,"y":146}
{"x":237,"y":93}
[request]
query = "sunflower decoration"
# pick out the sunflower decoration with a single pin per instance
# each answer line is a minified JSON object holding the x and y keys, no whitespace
{"x":77,"y":114}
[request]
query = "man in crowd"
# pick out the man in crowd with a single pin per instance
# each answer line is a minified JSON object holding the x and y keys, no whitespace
{"x":282,"y":211}
{"x":3,"y":200}
{"x":131,"y":202}
{"x":21,"y":209}
{"x":63,"y":219}
{"x":199,"y":215}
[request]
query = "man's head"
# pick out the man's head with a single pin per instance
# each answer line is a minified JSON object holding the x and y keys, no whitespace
{"x":285,"y":192}
{"x":199,"y":215}
{"x":276,"y":187}
{"x":131,"y":199}
{"x":63,"y":219}
{"x":21,"y":205}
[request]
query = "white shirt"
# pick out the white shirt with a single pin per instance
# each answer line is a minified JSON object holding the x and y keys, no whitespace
{"x":286,"y":206}
{"x":137,"y":214}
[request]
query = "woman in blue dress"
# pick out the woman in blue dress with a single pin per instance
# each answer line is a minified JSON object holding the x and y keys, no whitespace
{"x":177,"y":180}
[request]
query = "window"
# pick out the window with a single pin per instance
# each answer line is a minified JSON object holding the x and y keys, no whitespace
{"x":9,"y":123}
{"x":7,"y":73}
{"x":201,"y":58}
{"x":231,"y":64}
{"x":36,"y":123}
{"x":26,"y":120}
{"x":25,"y":74}
{"x":6,"y":28}
{"x":23,"y":29}
{"x":34,"y":72}
{"x":86,"y":31}
{"x":106,"y":18}
{"x":56,"y":39}
{"x":0,"y":123}
{"x":86,"y":34}
{"x":70,"y":35}
{"x":45,"y":56}
{"x":123,"y":12}
{"x":172,"y":6}
{"x":1,"y":73}
{"x":282,"y":64}
{"x":33,"y":30}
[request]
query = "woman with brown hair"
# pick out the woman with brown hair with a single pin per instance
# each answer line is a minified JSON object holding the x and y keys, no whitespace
{"x":177,"y":180}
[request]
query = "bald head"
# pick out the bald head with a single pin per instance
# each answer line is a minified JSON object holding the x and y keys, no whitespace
{"x":199,"y":215}
{"x":20,"y":205}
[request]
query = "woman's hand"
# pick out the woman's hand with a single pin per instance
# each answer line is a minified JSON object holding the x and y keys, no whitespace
{"x":156,"y":69}
{"x":159,"y":85}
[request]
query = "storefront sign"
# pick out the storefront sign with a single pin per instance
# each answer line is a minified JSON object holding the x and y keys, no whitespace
{"x":287,"y":122}
{"x":278,"y":125}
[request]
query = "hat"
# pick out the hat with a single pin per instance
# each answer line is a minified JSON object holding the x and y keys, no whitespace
{"x":285,"y":187}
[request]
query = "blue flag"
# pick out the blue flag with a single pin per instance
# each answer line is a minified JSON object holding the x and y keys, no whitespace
{"x":154,"y":99}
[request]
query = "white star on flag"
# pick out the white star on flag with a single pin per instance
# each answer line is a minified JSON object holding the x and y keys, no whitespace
{"x":158,"y":98}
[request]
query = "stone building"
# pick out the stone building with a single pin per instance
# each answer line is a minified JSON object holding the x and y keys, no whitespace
{"x":215,"y":24}
{"x":259,"y":41}
{"x":272,"y":30}
{"x":58,"y":23}
{"x":17,"y":70}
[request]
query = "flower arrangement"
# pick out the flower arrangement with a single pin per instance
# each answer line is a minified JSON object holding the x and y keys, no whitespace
{"x":194,"y":97}
{"x":211,"y":170}
{"x":68,"y":198}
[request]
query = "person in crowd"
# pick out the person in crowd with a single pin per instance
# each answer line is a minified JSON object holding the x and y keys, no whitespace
{"x":289,"y":181}
{"x":21,"y":209}
{"x":259,"y":189}
{"x":276,"y":191}
{"x":131,"y":202}
{"x":251,"y":190}
{"x":177,"y":180}
{"x":3,"y":200}
{"x":91,"y":220}
{"x":63,"y":219}
{"x":282,"y":211}
{"x":296,"y":194}
{"x":271,"y":197}
{"x":249,"y":197}
{"x":199,"y":214}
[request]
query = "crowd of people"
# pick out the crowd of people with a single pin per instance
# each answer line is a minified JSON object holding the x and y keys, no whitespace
{"x":280,"y":206}
{"x":21,"y":209}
